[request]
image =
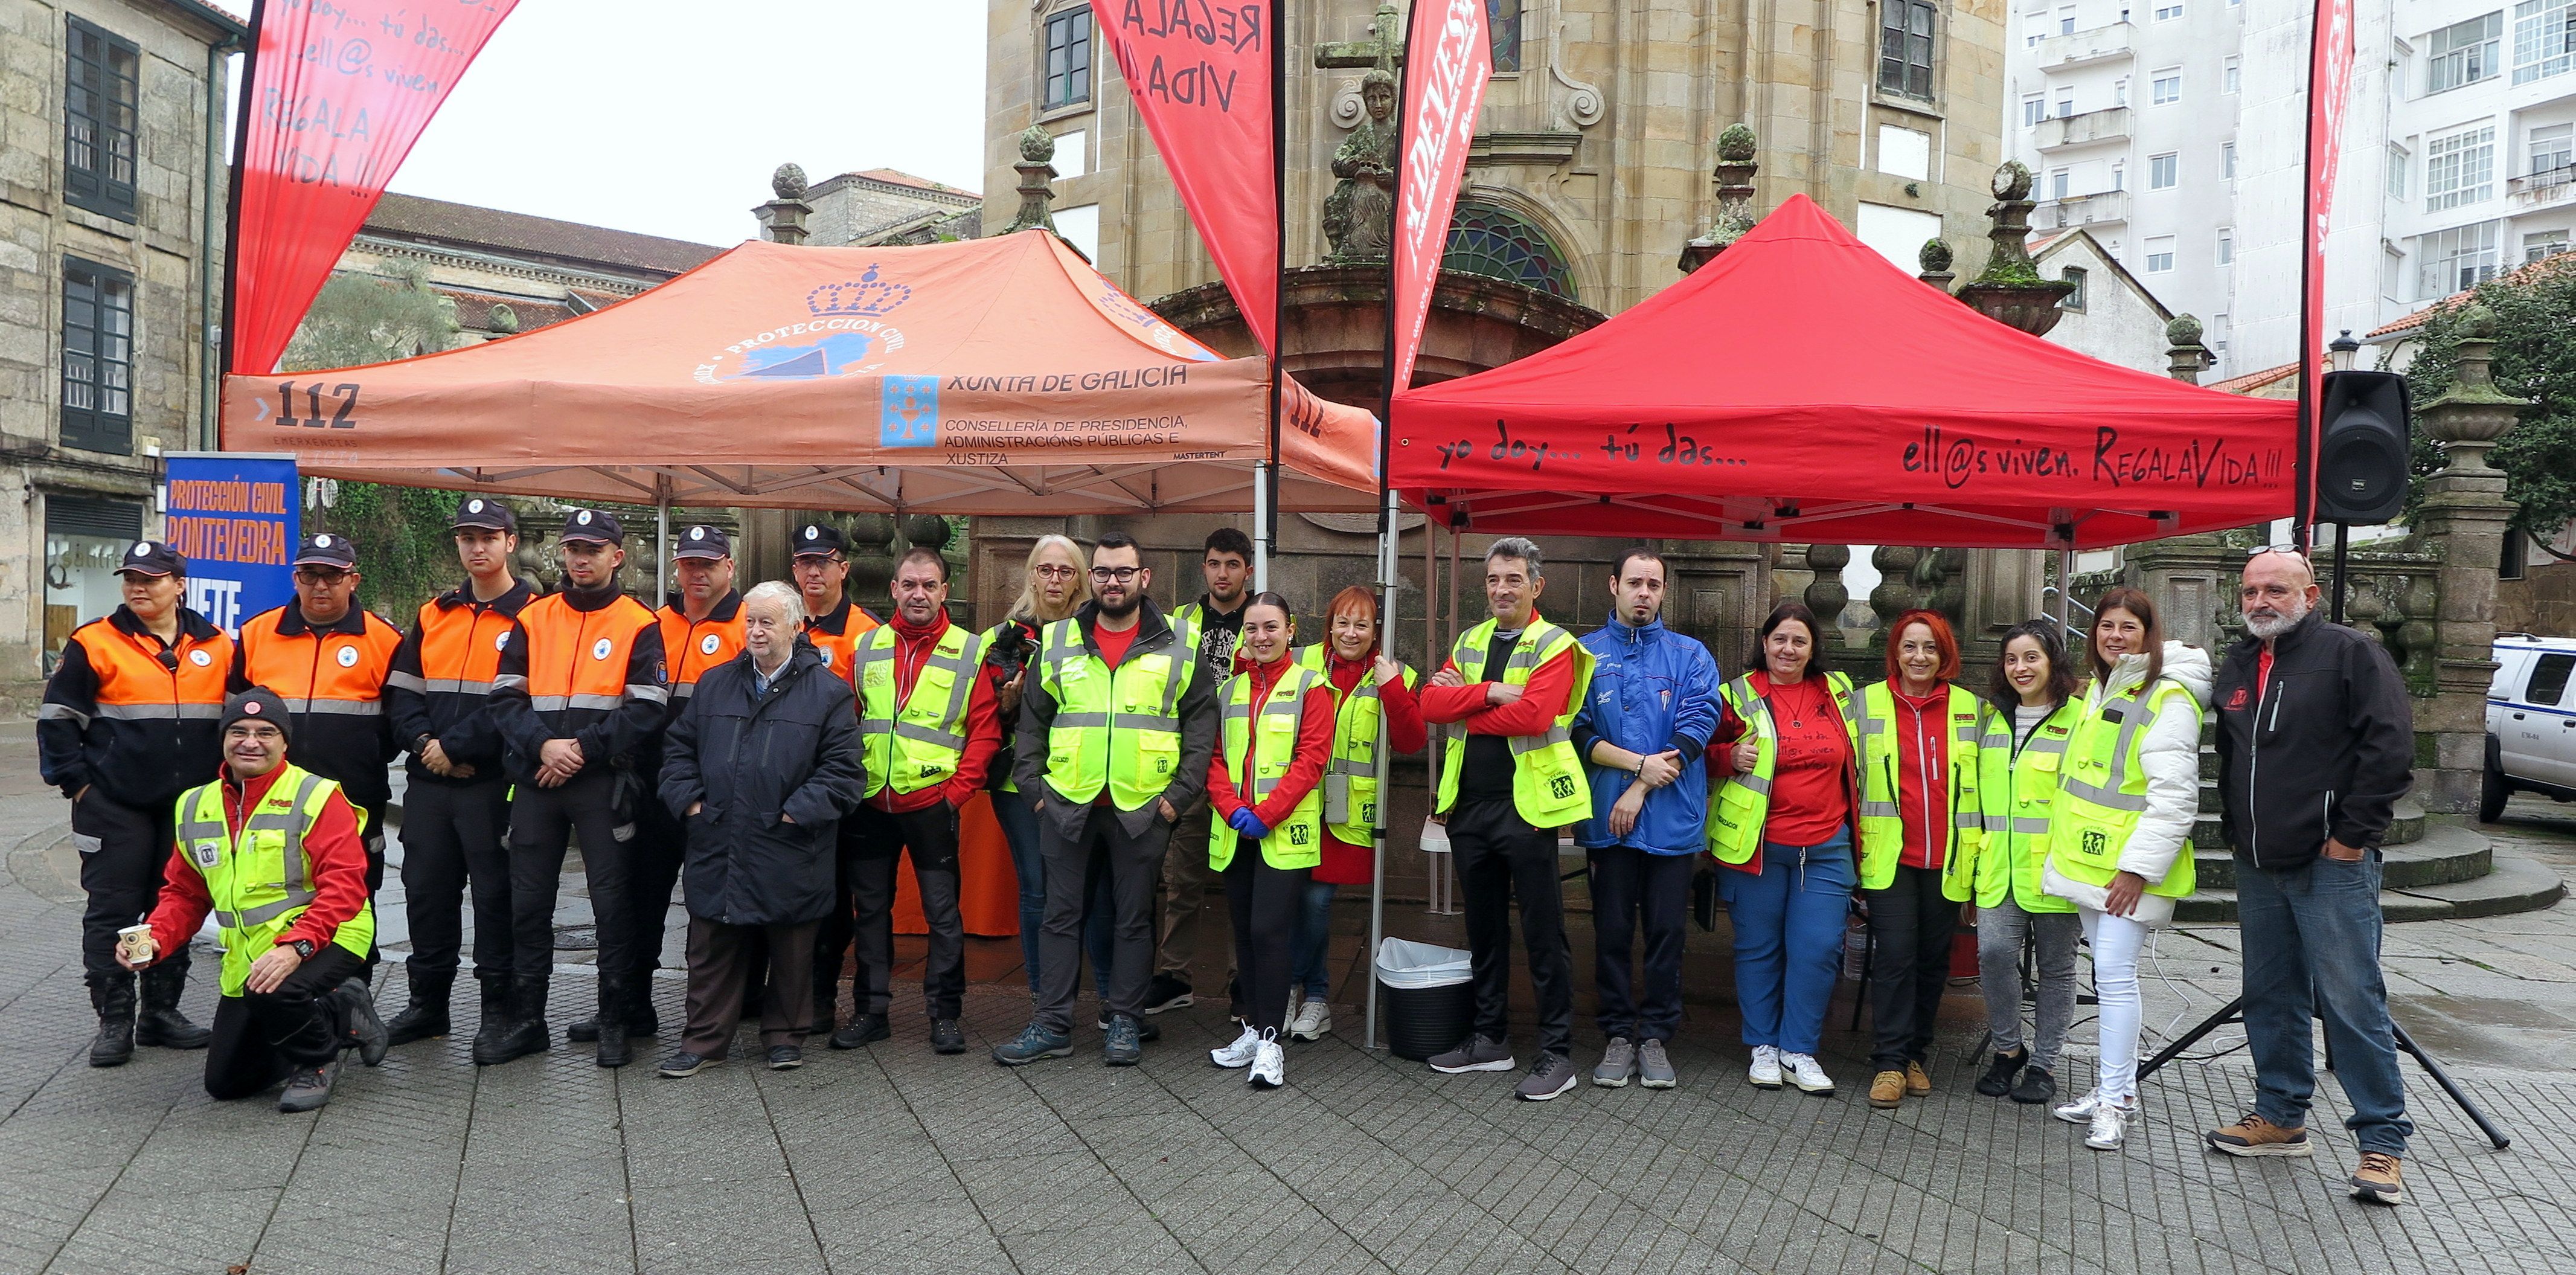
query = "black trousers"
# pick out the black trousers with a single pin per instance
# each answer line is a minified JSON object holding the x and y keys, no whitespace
{"x":1910,"y":926}
{"x":1264,"y":902}
{"x":122,"y":851}
{"x":930,"y":837}
{"x":1629,"y":884}
{"x":832,"y":934}
{"x":661,"y":843}
{"x":1132,"y":866}
{"x":452,"y":837}
{"x":261,"y":1039}
{"x":542,"y":821}
{"x":1501,"y":858}
{"x":726,"y":961}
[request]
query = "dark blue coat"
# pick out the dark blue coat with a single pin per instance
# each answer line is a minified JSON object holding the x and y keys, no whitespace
{"x":1652,"y":689}
{"x":753,"y":758}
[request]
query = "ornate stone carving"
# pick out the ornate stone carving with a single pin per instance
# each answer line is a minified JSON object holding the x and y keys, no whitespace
{"x":1736,"y":147}
{"x":2009,"y":290}
{"x":1037,"y":178}
{"x":2185,"y":357}
{"x":1583,"y":106}
{"x":788,"y":181}
{"x":1935,"y":259}
{"x":1359,"y":216}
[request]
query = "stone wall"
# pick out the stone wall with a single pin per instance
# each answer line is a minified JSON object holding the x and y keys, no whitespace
{"x":160,"y":249}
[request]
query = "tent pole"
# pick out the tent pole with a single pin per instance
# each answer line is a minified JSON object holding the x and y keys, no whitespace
{"x":1386,"y":569}
{"x":1261,"y":523}
{"x":1265,"y":479}
{"x":661,"y":540}
{"x":2065,"y":589}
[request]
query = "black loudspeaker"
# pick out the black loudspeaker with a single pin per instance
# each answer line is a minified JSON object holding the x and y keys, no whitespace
{"x":2362,"y":447}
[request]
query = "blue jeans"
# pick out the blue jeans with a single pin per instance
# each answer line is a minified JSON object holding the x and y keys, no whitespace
{"x":1789,"y":939}
{"x":1020,"y":828}
{"x":1308,"y":966}
{"x":2311,"y":944}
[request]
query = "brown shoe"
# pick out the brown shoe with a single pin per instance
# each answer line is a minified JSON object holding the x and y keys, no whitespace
{"x":1918,"y":1082}
{"x":2375,"y":1182}
{"x":2255,"y":1135}
{"x":1887,"y":1089}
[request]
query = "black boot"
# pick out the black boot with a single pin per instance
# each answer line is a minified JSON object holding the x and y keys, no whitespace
{"x":641,"y":1018}
{"x":425,"y":1017}
{"x":527,"y":1032}
{"x":613,"y":1050}
{"x":495,"y":1026}
{"x":827,"y":1005}
{"x":112,"y":995}
{"x":161,"y":1023}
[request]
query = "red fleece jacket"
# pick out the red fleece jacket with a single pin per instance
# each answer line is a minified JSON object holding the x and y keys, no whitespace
{"x":912,"y":646}
{"x":1314,"y":748}
{"x":339,"y":872}
{"x":1542,"y":701}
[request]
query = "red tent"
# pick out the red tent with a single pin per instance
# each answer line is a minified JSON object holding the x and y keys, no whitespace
{"x":1802,"y":388}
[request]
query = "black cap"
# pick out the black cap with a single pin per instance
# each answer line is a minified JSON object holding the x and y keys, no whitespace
{"x":328,"y":550}
{"x":703,"y":542}
{"x":486,"y":512}
{"x":819,"y":538}
{"x":597,"y":526}
{"x":153,"y":558}
{"x":258,"y":703}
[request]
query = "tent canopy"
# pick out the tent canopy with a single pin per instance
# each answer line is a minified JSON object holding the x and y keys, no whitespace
{"x":993,"y":376}
{"x":1800,"y":387}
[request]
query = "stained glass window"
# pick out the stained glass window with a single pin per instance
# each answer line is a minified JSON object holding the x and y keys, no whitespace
{"x":1503,"y":21}
{"x":1492,"y":241}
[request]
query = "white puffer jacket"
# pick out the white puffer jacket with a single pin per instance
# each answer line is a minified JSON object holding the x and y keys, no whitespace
{"x":2170,"y":756}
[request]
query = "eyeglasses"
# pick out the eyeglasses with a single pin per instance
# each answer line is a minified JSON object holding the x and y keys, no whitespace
{"x":1053,"y":572}
{"x":1120,"y":574}
{"x":2292,"y":550}
{"x":322,"y":579}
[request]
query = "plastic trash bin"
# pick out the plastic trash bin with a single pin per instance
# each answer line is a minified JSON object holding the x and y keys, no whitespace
{"x":1430,"y":997}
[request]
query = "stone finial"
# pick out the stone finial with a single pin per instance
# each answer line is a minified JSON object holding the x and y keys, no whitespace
{"x":2185,"y":356}
{"x":1733,"y":176}
{"x":788,"y":182}
{"x":2476,"y":322}
{"x":1935,"y":256}
{"x":501,"y":318}
{"x":2470,"y":414}
{"x":1037,"y":181}
{"x":2010,"y":290}
{"x":782,"y":219}
{"x":2012,"y":180}
{"x":2183,"y":329}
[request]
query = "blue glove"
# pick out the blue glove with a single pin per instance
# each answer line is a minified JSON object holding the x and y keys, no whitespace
{"x":1247,"y":823}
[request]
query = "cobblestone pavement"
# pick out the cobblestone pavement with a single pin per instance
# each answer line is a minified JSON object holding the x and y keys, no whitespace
{"x":893,"y":1159}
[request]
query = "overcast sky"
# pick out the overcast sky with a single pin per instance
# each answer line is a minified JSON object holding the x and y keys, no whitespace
{"x":666,"y":116}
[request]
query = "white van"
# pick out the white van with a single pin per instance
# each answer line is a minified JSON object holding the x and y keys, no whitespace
{"x":2531,"y":722}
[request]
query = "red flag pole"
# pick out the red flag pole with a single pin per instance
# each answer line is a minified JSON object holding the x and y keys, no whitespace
{"x":1269,"y":528}
{"x":2304,"y":506}
{"x":243,"y":104}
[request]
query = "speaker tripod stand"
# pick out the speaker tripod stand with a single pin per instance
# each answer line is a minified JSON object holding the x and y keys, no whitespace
{"x":2234,"y":1012}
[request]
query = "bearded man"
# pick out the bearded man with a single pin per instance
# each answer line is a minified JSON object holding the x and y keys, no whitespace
{"x":2316,"y":742}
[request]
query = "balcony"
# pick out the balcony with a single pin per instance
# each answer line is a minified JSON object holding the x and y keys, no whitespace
{"x":2101,"y":208}
{"x":2062,"y":131}
{"x":2542,"y":189}
{"x":2084,"y":48}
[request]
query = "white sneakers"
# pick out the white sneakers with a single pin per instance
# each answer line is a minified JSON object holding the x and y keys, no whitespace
{"x":1806,"y":1075}
{"x":1765,"y":1072}
{"x":2106,"y":1121}
{"x":1269,"y":1063}
{"x":1314,"y":1021}
{"x":1241,"y":1053}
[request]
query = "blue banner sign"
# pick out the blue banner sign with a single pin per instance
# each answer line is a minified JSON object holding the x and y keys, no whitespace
{"x":236,"y":517}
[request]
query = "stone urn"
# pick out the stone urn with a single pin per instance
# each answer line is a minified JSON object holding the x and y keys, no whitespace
{"x":2010,"y":290}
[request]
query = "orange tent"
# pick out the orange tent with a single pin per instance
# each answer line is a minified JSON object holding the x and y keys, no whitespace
{"x":989,"y":376}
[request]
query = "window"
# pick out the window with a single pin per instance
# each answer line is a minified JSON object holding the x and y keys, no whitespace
{"x":2543,"y":244}
{"x":2033,"y":109}
{"x":1905,"y":152}
{"x":2227,"y":161}
{"x":2549,"y":679}
{"x":1905,"y":47}
{"x":2119,"y":174}
{"x":2516,"y":555}
{"x":2169,"y":12}
{"x":2066,"y":19}
{"x":1080,"y":227}
{"x":2065,"y":103}
{"x":2463,"y":53}
{"x":2074,"y":300}
{"x":2459,"y":168}
{"x":85,"y":541}
{"x":2168,"y":86}
{"x":2057,"y":183}
{"x":2163,"y":170}
{"x":2552,"y":149}
{"x":2226,"y":247}
{"x":98,"y":122}
{"x":1503,"y":28}
{"x":2544,"y":39}
{"x":98,"y":358}
{"x":2398,"y":162}
{"x":1490,"y":240}
{"x":2215,"y":336}
{"x":1068,"y":59}
{"x":2457,"y":259}
{"x":2231,"y":75}
{"x":2120,"y":91}
{"x":1072,"y":154}
{"x":2160,"y":254}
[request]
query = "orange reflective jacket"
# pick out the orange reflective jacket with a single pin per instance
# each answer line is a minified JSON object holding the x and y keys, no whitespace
{"x":837,"y":637}
{"x":593,"y":676}
{"x":132,"y":715}
{"x":333,"y":682}
{"x":690,"y":649}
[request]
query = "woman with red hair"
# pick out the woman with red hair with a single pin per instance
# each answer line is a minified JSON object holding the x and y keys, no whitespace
{"x":1918,"y":837}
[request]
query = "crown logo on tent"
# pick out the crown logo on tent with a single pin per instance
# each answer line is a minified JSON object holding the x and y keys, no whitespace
{"x":867,"y":296}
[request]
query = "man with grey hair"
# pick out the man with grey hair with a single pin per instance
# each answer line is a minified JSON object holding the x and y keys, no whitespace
{"x":761,"y":767}
{"x":1509,"y":779}
{"x":2319,"y":713}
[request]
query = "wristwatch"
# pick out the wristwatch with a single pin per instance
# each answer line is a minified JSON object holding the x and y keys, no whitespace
{"x":304,"y":948}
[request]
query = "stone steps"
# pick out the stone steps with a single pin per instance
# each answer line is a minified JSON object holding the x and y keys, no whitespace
{"x":2405,"y":828}
{"x":2455,"y":873}
{"x":2444,"y":854}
